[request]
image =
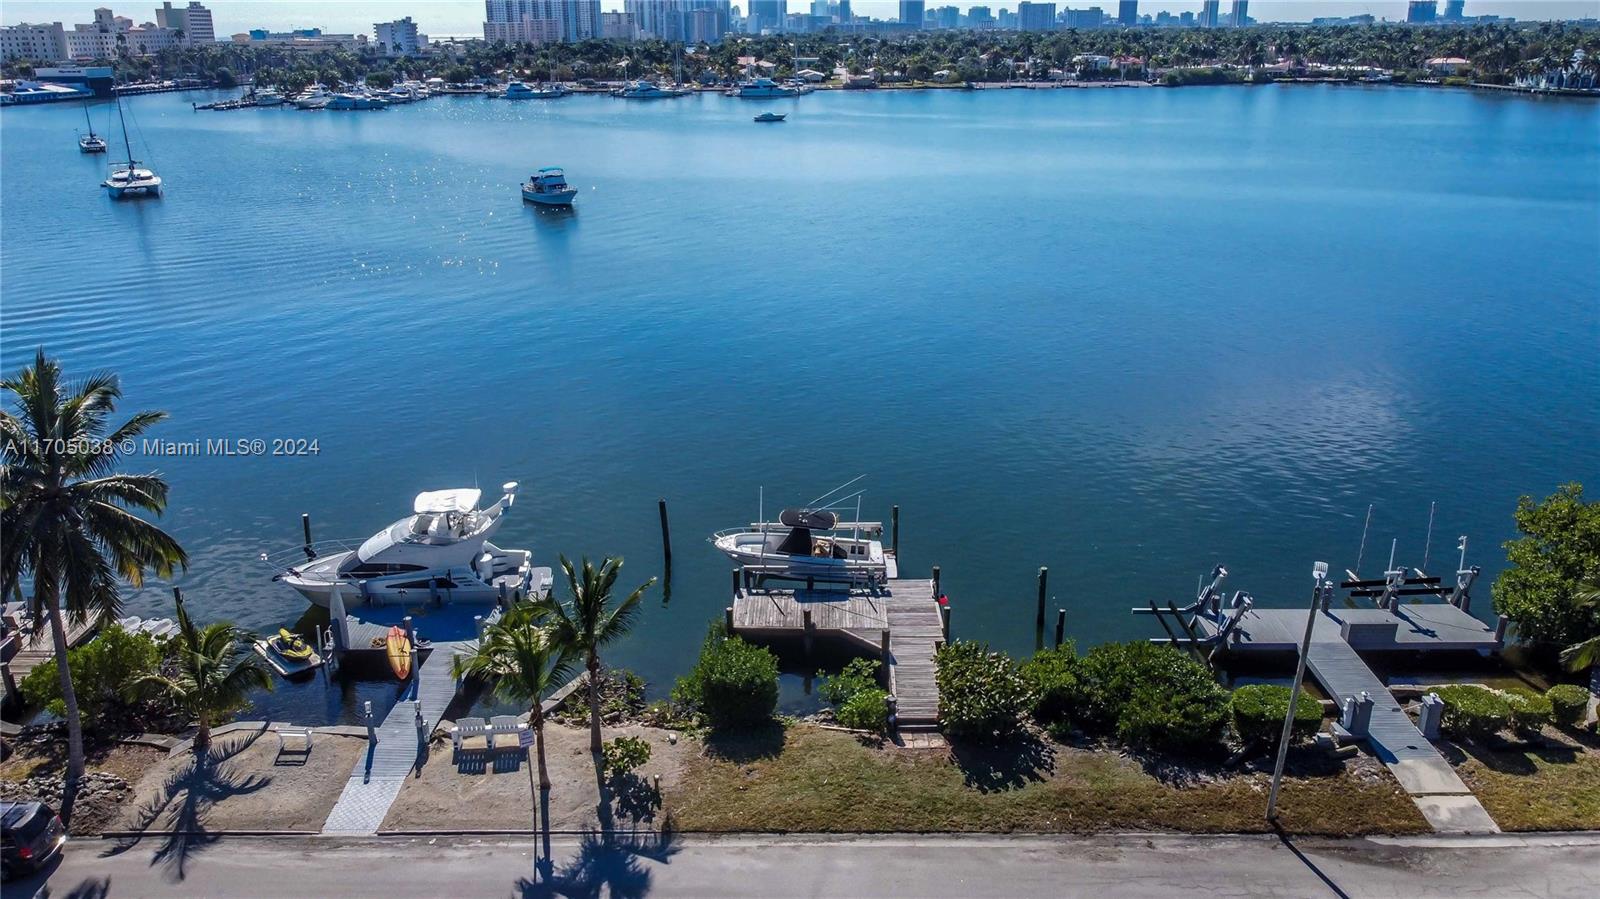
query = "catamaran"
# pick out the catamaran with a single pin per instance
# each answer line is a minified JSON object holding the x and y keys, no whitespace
{"x":441,"y":550}
{"x":129,"y":180}
{"x":91,"y":142}
{"x":810,"y":542}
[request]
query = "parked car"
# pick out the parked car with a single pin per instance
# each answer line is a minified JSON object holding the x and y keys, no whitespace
{"x":30,"y":835}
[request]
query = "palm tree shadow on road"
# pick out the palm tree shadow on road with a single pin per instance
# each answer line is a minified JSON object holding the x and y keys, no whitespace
{"x":181,"y":804}
{"x":606,"y":864}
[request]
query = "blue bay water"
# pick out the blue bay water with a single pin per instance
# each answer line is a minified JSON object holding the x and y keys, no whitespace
{"x":1126,"y":334}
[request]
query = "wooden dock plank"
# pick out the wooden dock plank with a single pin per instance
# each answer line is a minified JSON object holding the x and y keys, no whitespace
{"x":905,"y":607}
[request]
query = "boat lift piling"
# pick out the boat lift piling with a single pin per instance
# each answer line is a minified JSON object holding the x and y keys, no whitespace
{"x":1038,"y":623}
{"x":1061,"y":626}
{"x":894,"y":530}
{"x":305,"y":526}
{"x":666,"y":539}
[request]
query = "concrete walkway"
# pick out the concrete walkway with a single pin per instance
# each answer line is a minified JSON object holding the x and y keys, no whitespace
{"x":1438,"y":792}
{"x":401,"y":743}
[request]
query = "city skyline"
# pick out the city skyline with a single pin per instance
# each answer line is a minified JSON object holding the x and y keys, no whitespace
{"x":465,"y":17}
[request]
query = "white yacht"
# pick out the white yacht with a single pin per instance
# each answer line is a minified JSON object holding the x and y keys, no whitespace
{"x":764,"y":89}
{"x":357,"y":101}
{"x":648,"y":90}
{"x":550,"y":91}
{"x":314,"y":97}
{"x":128,"y":180}
{"x":548,"y":187}
{"x":441,"y":550}
{"x":267,"y":96}
{"x":516,"y":90}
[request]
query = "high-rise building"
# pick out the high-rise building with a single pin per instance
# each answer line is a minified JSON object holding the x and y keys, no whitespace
{"x":194,"y":21}
{"x":1209,"y":14}
{"x":980,"y":17}
{"x":618,"y":26}
{"x":947,"y":17}
{"x":1128,"y":12}
{"x":1422,"y":12}
{"x":1093,"y":17}
{"x":45,"y":43}
{"x":1240,"y":16}
{"x":846,"y":17}
{"x":912,"y":12}
{"x":535,"y":21}
{"x":767,"y":15}
{"x":681,"y":20}
{"x":1036,"y":16}
{"x":1455,"y":10}
{"x":399,"y":38}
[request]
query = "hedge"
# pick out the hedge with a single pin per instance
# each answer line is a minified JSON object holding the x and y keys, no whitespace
{"x":1530,"y":711}
{"x":1052,"y":676}
{"x":982,"y":695}
{"x":1151,"y":696}
{"x":1473,"y":711}
{"x":1568,"y":702}
{"x":733,"y":684}
{"x":1259,"y":709}
{"x":866,"y":709}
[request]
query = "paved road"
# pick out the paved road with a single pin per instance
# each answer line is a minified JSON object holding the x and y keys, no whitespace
{"x":1102,"y":867}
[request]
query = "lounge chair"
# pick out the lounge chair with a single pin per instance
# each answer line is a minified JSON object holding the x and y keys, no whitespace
{"x":467,"y":728}
{"x":505,"y":725}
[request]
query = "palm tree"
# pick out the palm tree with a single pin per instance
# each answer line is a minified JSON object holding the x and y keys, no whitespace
{"x":592,"y":621}
{"x":216,"y":672}
{"x":525,"y":663}
{"x":1586,"y":653}
{"x":67,"y":520}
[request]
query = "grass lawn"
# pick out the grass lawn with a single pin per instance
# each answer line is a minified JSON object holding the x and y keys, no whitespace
{"x":1552,"y":788}
{"x":806,"y":779}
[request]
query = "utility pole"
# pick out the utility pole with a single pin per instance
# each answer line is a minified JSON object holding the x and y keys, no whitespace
{"x":1319,"y":572}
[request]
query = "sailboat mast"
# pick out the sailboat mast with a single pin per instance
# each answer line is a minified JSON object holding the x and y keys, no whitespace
{"x":124,"y":120}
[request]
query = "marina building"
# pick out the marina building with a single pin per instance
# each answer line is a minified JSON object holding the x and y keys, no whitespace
{"x":399,"y":38}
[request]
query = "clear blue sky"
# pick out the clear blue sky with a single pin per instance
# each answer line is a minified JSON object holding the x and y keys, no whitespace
{"x":466,"y":16}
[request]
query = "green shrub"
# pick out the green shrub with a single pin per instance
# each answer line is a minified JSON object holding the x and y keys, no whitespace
{"x":1473,"y":711}
{"x":733,"y":684}
{"x":622,"y":755}
{"x":1052,"y":676}
{"x":1568,"y":702}
{"x":104,"y":672}
{"x":1542,"y":588}
{"x":1530,"y":711}
{"x":982,"y":696}
{"x":1152,"y":696}
{"x":866,"y":709}
{"x":1259,"y":709}
{"x":858,"y":675}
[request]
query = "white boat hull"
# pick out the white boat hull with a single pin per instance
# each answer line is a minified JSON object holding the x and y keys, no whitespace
{"x":555,"y":198}
{"x":452,"y":585}
{"x":753,"y":550}
{"x":146,"y":187}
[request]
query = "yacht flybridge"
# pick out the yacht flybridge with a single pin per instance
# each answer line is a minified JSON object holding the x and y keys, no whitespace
{"x":810,"y":543}
{"x":441,"y":550}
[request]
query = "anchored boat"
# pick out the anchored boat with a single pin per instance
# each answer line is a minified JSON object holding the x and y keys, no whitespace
{"x":548,"y":187}
{"x":441,"y":550}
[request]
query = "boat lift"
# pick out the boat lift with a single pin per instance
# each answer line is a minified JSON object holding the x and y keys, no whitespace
{"x":1222,"y":615}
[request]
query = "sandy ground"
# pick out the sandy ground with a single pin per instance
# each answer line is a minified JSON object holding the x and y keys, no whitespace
{"x":244,"y":785}
{"x":472,"y":792}
{"x":34,"y":772}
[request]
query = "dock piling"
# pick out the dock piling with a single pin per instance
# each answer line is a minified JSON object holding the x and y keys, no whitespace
{"x":1500,"y":629}
{"x":666,"y":539}
{"x":894,"y":530}
{"x":736,"y":581}
{"x":810,"y":630}
{"x":305,"y":526}
{"x":944,"y":622}
{"x":1061,"y":626}
{"x":727,"y":618}
{"x":883,"y":645}
{"x":1044,"y":579}
{"x":935,"y":580}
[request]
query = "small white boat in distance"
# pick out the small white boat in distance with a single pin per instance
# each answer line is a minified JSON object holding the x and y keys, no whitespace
{"x":648,"y":90}
{"x":314,"y":97}
{"x":91,"y":143}
{"x":442,"y":549}
{"x":549,"y":92}
{"x":764,"y":88}
{"x":516,"y":90}
{"x":548,"y":187}
{"x":771,"y":117}
{"x":267,"y":96}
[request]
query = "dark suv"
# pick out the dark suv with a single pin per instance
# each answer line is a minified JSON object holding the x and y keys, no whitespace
{"x":30,"y":835}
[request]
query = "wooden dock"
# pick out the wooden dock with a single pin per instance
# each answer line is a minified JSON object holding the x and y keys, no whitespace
{"x":898,"y":623}
{"x":37,"y":647}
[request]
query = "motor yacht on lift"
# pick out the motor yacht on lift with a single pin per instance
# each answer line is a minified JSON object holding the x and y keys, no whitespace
{"x":442,"y":549}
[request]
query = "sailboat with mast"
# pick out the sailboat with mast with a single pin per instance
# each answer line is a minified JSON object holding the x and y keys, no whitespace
{"x":129,"y":180}
{"x":91,"y":142}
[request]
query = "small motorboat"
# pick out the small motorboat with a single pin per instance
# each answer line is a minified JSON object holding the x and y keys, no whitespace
{"x":399,"y":653}
{"x":811,"y":543}
{"x":548,"y":187}
{"x":772,"y":117}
